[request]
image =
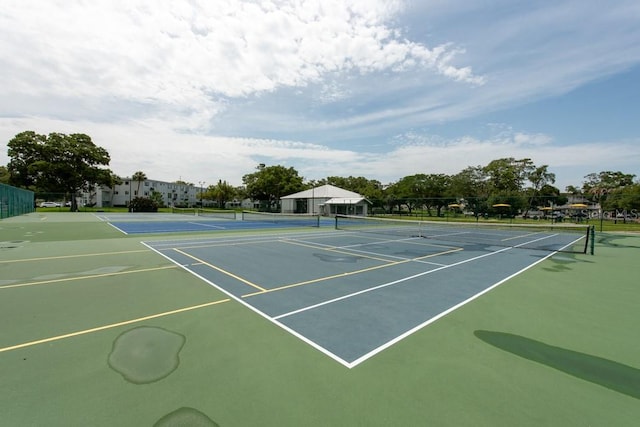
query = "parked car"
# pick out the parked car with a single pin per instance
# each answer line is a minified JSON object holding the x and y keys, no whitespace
{"x":49,"y":205}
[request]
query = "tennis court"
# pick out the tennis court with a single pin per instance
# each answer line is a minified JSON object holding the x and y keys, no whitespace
{"x":360,"y":325}
{"x":205,"y":220}
{"x":352,"y":293}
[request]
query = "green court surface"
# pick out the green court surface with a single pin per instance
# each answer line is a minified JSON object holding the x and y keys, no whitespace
{"x":98,"y":329}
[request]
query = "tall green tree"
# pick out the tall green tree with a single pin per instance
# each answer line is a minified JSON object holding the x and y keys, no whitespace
{"x":540,"y":178}
{"x":222,"y":193}
{"x":139,"y":177}
{"x":57,"y":163}
{"x":369,"y":188}
{"x":599,"y":186}
{"x":508,"y":175}
{"x":4,"y":175}
{"x":269,"y":183}
{"x":470,"y":187}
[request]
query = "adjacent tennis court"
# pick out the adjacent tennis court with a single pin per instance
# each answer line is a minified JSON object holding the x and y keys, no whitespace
{"x":206,"y":220}
{"x":345,"y":323}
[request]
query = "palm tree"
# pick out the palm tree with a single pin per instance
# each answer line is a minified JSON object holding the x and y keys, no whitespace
{"x":139,"y":177}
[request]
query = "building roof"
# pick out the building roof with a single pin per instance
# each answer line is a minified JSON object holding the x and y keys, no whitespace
{"x":345,"y":201}
{"x":323,"y":192}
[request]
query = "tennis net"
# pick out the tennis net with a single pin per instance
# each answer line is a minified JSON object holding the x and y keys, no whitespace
{"x":297,"y":220}
{"x":573,"y":238}
{"x":207,"y":213}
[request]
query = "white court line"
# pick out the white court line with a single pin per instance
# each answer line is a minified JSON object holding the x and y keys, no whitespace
{"x":384,"y":285}
{"x":349,"y":365}
{"x":255,"y":310}
{"x":199,"y":224}
{"x":119,"y":229}
{"x":352,"y":249}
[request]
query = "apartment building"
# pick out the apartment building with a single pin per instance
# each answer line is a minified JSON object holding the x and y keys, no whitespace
{"x":171,"y":193}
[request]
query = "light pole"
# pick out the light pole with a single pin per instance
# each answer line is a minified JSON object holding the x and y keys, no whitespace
{"x":201,"y":191}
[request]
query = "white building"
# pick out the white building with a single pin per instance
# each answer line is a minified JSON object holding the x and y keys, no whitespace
{"x":171,"y":193}
{"x":325,"y":200}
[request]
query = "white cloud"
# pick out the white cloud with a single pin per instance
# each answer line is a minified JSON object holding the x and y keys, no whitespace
{"x":167,"y":155}
{"x":187,"y":58}
{"x":208,"y":89}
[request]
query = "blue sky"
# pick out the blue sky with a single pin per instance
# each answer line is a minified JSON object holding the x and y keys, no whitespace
{"x":202,"y":91}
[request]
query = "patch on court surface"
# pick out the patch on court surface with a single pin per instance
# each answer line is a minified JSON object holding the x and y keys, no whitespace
{"x":350,"y":294}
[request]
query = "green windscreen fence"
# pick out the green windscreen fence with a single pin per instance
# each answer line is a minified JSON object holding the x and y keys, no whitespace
{"x":15,"y":201}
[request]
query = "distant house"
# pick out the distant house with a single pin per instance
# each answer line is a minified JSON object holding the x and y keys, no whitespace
{"x":326,"y":200}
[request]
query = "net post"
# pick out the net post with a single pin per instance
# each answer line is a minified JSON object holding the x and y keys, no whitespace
{"x":592,"y":236}
{"x":336,"y":219}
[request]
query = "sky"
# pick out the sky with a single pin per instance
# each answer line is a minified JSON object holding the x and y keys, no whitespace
{"x":203,"y":91}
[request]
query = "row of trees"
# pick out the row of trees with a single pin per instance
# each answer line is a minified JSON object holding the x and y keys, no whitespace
{"x":518,"y":183}
{"x":60,"y":163}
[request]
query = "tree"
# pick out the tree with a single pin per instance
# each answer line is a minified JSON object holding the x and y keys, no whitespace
{"x":139,"y":177}
{"x":422,"y":190}
{"x":508,"y":175}
{"x":369,"y":188}
{"x":4,"y":175}
{"x":539,"y":177}
{"x":143,"y":204}
{"x":270,"y":183}
{"x":599,"y":185}
{"x":57,"y":163}
{"x":626,"y":199}
{"x":471,"y":189}
{"x":222,"y":192}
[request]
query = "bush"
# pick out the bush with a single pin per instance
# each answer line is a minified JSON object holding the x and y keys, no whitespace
{"x":142,"y":204}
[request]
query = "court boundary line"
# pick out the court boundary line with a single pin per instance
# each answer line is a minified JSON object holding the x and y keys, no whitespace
{"x":390,"y":263}
{"x":117,"y":228}
{"x":385,"y":285}
{"x":351,"y":249}
{"x":111,"y":326}
{"x":255,"y":310}
{"x":221,"y":270}
{"x":92,"y":276}
{"x":207,"y":225}
{"x":8,"y":261}
{"x":356,"y":362}
{"x":446,"y":312}
{"x":395,"y":282}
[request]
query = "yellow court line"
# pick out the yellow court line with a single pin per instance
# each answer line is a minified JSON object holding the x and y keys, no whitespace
{"x":350,"y":273}
{"x":72,"y":256}
{"x":253,"y":285}
{"x":93,"y":276}
{"x":113,"y":325}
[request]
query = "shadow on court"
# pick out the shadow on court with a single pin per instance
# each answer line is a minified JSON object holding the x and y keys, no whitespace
{"x":604,"y":372}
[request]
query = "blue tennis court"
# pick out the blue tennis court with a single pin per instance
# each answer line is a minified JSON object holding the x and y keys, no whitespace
{"x":157,"y":223}
{"x":349,"y":294}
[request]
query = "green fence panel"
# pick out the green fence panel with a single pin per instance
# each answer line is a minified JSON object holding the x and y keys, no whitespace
{"x":15,"y":201}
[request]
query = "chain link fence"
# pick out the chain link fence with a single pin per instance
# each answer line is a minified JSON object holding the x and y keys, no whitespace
{"x":15,"y":201}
